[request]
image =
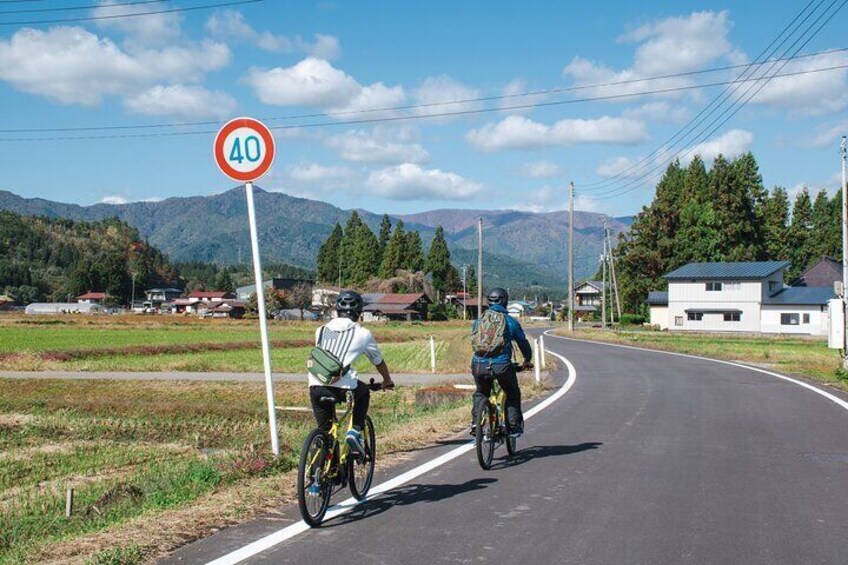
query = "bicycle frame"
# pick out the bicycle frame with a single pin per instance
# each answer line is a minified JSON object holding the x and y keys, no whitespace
{"x":336,"y":435}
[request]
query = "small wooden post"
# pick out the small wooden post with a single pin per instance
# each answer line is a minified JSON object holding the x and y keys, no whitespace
{"x":432,"y":355}
{"x":69,"y":503}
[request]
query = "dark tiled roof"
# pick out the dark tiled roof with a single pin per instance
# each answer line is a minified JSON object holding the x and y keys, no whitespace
{"x":824,"y":273}
{"x":801,"y":296}
{"x":405,"y":299}
{"x":741,"y":270}
{"x":658,"y":298}
{"x":599,"y":285}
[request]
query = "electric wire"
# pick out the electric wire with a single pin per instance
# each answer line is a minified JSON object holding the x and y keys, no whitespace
{"x":75,"y":8}
{"x":132,"y":15}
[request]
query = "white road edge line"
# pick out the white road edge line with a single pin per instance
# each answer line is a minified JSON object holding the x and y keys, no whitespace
{"x":817,"y":390}
{"x":345,"y":506}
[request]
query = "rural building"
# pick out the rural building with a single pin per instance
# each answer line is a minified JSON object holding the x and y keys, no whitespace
{"x":658,"y":305}
{"x":244,"y":292}
{"x":161,"y":297}
{"x":211,"y":296}
{"x":519,"y":308}
{"x":324,"y":301}
{"x":6,"y":302}
{"x":92,"y":298}
{"x":823,"y":274}
{"x":53,"y":308}
{"x":740,"y":297}
{"x":394,"y":306}
{"x":588,"y":297}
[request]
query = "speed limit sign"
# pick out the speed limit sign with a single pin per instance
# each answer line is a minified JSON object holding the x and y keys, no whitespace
{"x":244,"y":149}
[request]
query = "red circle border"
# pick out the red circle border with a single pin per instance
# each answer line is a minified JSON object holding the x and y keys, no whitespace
{"x":218,"y":149}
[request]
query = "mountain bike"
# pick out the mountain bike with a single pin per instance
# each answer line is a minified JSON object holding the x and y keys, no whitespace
{"x":326,"y":462}
{"x":491,"y":426}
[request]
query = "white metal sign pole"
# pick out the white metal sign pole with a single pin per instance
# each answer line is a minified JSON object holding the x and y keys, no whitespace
{"x":263,"y":322}
{"x":842,"y":157}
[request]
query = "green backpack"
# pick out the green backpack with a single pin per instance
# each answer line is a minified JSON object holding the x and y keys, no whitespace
{"x":487,"y":337}
{"x":324,"y":365}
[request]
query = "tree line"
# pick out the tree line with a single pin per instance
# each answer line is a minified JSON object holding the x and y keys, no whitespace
{"x":391,"y":261}
{"x":723,"y":214}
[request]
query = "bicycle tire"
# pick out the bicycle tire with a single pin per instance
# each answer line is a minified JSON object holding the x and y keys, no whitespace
{"x":366,"y":466}
{"x":313,"y":507}
{"x":485,"y":438}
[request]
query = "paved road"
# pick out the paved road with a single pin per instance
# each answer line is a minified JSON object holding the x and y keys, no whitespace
{"x":649,"y":459}
{"x":400,"y":378}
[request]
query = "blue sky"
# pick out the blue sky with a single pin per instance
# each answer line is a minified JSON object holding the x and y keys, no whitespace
{"x":277,"y":59}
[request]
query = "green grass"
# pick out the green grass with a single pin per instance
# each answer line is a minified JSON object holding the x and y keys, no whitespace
{"x":793,"y":355}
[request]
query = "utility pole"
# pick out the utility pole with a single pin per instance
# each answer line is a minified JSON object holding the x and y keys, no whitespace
{"x":843,"y":158}
{"x":604,"y":287}
{"x":571,"y":256}
{"x":464,"y":290}
{"x":479,"y":268}
{"x":612,"y":276}
{"x":132,"y":300}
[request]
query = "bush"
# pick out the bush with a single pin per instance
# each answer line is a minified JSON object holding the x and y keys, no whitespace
{"x":632,"y":320}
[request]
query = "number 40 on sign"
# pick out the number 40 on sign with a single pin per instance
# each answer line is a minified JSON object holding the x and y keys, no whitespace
{"x":244,"y":149}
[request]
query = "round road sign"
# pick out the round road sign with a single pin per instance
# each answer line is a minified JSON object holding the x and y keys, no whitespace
{"x":244,"y":149}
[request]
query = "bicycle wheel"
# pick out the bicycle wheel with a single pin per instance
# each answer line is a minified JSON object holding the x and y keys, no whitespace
{"x":485,"y":437}
{"x":361,"y":469}
{"x":313,"y":488}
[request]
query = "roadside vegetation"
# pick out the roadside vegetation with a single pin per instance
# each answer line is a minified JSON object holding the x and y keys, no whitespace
{"x":800,"y":356}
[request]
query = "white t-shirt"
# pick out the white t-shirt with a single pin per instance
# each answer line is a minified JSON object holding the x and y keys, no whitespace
{"x":344,"y":336}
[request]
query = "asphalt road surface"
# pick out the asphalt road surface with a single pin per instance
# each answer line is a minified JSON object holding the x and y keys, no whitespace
{"x":648,"y":458}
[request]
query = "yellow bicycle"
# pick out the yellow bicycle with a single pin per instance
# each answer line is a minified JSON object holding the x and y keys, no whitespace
{"x":326,"y":462}
{"x":491,"y":427}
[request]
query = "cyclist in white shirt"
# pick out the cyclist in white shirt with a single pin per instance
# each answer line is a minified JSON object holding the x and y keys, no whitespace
{"x":347,"y":340}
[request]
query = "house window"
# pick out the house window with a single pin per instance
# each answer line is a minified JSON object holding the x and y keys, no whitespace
{"x":806,"y":319}
{"x":678,"y":320}
{"x":789,"y":319}
{"x":695,"y":316}
{"x":733,"y":286}
{"x":713,"y":287}
{"x":732,"y":316}
{"x":774,"y":286}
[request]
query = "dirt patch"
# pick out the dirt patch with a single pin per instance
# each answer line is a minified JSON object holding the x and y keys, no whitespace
{"x":439,"y":395}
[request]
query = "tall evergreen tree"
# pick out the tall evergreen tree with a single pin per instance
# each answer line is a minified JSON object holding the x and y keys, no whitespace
{"x":776,"y":226}
{"x":351,"y":232}
{"x":753,"y":196}
{"x":364,"y":261}
{"x":822,"y":226}
{"x":385,"y":234}
{"x":834,"y":236}
{"x":734,"y":212}
{"x":393,"y":258}
{"x":328,"y":257}
{"x":413,"y":254}
{"x":438,"y":261}
{"x":800,"y":237}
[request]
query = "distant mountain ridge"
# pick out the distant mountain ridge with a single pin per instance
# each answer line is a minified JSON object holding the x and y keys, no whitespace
{"x":521,"y":249}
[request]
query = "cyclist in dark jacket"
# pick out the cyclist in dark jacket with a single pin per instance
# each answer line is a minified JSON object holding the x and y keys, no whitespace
{"x":499,"y":365}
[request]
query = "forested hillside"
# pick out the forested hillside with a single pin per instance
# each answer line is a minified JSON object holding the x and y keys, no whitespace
{"x":723,"y":214}
{"x":54,"y":259}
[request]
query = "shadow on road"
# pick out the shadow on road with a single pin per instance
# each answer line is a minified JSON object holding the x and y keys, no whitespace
{"x":410,"y":494}
{"x":542,"y":451}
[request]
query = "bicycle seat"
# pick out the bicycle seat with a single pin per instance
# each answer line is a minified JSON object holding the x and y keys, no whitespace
{"x":329,"y":400}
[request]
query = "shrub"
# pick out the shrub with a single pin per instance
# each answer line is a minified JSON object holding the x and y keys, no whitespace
{"x":632,"y":320}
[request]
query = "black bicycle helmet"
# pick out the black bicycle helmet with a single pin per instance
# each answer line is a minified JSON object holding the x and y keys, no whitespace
{"x":498,"y":296}
{"x":349,"y":304}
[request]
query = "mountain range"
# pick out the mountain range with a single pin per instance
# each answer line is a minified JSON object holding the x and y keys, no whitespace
{"x":523,"y":250}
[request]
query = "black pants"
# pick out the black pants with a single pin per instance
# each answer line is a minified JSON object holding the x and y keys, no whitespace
{"x":325,"y":412}
{"x":483,"y":374}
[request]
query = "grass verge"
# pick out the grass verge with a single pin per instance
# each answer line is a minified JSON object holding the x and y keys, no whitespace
{"x":804,"y":357}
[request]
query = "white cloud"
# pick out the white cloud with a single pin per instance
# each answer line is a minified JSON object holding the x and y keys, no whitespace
{"x":188,"y":102}
{"x":828,"y":135}
{"x":671,"y":45}
{"x":553,"y":198}
{"x":541,"y":169}
{"x":147,"y":29}
{"x":376,"y":146}
{"x":658,"y":112}
{"x":315,"y":82}
{"x":411,"y":182}
{"x":616,"y":166}
{"x":323,"y":47}
{"x":438,"y":94}
{"x":74,"y":66}
{"x":321,"y":175}
{"x":117,"y":199}
{"x":812,"y":93}
{"x":517,"y":132}
{"x":231,"y":24}
{"x":514,"y":93}
{"x":730,"y":144}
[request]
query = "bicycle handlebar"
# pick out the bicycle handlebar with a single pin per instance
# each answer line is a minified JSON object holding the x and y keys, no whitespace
{"x":520,"y":367}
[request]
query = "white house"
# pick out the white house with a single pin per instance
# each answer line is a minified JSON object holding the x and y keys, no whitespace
{"x":739,"y":297}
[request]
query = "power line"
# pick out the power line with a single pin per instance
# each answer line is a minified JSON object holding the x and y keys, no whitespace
{"x":131,"y":15}
{"x":423,"y":116}
{"x":443,"y":103}
{"x":735,"y":107}
{"x":88,"y":7}
{"x":696,"y":120}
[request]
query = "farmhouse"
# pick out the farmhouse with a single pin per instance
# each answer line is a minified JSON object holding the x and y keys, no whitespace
{"x":244,"y":292}
{"x":739,"y":297}
{"x":392,"y":306}
{"x":588,"y":297}
{"x":92,"y":298}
